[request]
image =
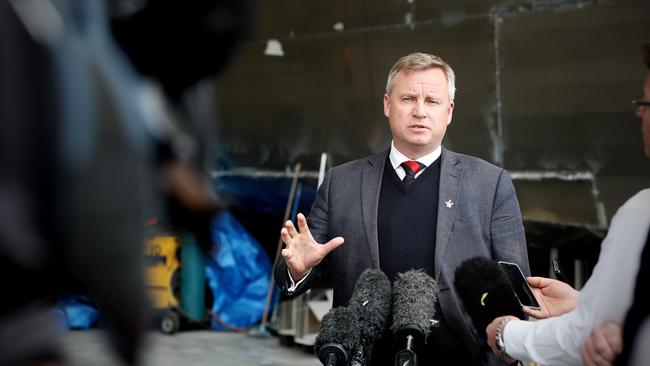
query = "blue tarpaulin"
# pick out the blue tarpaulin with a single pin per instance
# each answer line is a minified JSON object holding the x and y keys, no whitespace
{"x":77,"y":312}
{"x":238,"y":275}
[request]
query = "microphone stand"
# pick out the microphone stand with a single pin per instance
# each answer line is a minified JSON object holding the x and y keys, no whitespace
{"x":332,"y":354}
{"x":407,"y":356}
{"x":414,"y":336}
{"x":358,"y":359}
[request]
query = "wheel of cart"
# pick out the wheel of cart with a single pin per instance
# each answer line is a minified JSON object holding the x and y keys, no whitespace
{"x":170,"y":322}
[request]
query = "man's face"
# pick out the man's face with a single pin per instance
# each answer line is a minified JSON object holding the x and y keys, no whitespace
{"x":643,"y":112}
{"x":418,"y":110}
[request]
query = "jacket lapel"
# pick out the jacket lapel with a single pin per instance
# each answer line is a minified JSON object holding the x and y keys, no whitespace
{"x":370,"y":184}
{"x":448,"y":196}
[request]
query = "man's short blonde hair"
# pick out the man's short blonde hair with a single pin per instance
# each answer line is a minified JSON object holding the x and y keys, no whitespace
{"x":420,"y":62}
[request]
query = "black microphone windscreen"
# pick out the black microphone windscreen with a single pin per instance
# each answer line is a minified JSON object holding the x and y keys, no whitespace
{"x":339,"y":326}
{"x":414,"y":301}
{"x":485,"y":291}
{"x":372,"y":301}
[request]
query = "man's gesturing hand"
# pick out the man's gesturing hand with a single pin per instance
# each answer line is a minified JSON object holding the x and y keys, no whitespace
{"x":302,"y":252}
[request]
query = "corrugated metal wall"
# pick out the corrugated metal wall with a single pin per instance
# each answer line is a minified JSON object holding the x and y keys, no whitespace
{"x":544,"y":89}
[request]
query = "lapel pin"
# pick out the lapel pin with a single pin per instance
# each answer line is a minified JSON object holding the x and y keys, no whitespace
{"x":448,"y":203}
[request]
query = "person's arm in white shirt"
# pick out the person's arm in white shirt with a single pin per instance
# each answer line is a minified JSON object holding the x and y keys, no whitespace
{"x":606,"y":296}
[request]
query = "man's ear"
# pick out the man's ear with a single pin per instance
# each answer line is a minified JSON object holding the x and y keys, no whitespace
{"x":386,"y":105}
{"x":450,"y":112}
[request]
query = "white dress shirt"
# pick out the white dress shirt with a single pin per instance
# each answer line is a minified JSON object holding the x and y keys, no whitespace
{"x":606,"y":296}
{"x":397,"y":158}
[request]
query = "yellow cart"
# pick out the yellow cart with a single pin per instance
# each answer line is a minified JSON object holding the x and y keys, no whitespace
{"x":163,"y":279}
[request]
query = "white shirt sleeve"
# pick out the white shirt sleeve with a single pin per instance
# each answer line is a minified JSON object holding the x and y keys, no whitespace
{"x":606,"y":296}
{"x":294,"y":286}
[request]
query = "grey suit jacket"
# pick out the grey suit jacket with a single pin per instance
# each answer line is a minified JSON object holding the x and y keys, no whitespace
{"x":484,"y":220}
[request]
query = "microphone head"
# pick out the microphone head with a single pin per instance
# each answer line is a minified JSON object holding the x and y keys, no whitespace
{"x":414,"y":304}
{"x":485,"y":291}
{"x":371,"y":300}
{"x":339,"y":334}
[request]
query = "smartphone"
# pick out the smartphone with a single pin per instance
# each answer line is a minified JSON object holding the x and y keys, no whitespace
{"x":522,"y":290}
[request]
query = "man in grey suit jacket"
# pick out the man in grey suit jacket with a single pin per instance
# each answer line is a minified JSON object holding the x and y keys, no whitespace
{"x":453,"y":208}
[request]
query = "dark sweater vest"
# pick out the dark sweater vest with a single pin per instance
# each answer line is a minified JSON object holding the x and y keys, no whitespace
{"x":406,"y":221}
{"x":406,"y":228}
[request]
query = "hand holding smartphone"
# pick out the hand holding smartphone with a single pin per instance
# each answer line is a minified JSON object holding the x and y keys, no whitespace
{"x":523,"y":291}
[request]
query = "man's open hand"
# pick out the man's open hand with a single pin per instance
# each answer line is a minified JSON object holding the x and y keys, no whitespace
{"x":302,"y":252}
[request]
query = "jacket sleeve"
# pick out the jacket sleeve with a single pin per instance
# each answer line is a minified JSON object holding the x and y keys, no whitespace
{"x":318,"y":225}
{"x":506,"y":227}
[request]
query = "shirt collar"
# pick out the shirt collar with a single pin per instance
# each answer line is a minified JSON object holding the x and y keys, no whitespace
{"x":397,"y":158}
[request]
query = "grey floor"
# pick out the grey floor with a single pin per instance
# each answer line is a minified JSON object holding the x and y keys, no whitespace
{"x":189,"y":348}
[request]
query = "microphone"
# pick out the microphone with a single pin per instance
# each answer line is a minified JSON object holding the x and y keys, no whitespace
{"x":485,"y":291}
{"x":414,"y":301}
{"x":371,"y":300}
{"x":338,"y":336}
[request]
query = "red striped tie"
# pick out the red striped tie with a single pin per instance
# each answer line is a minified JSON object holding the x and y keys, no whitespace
{"x":411,"y":168}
